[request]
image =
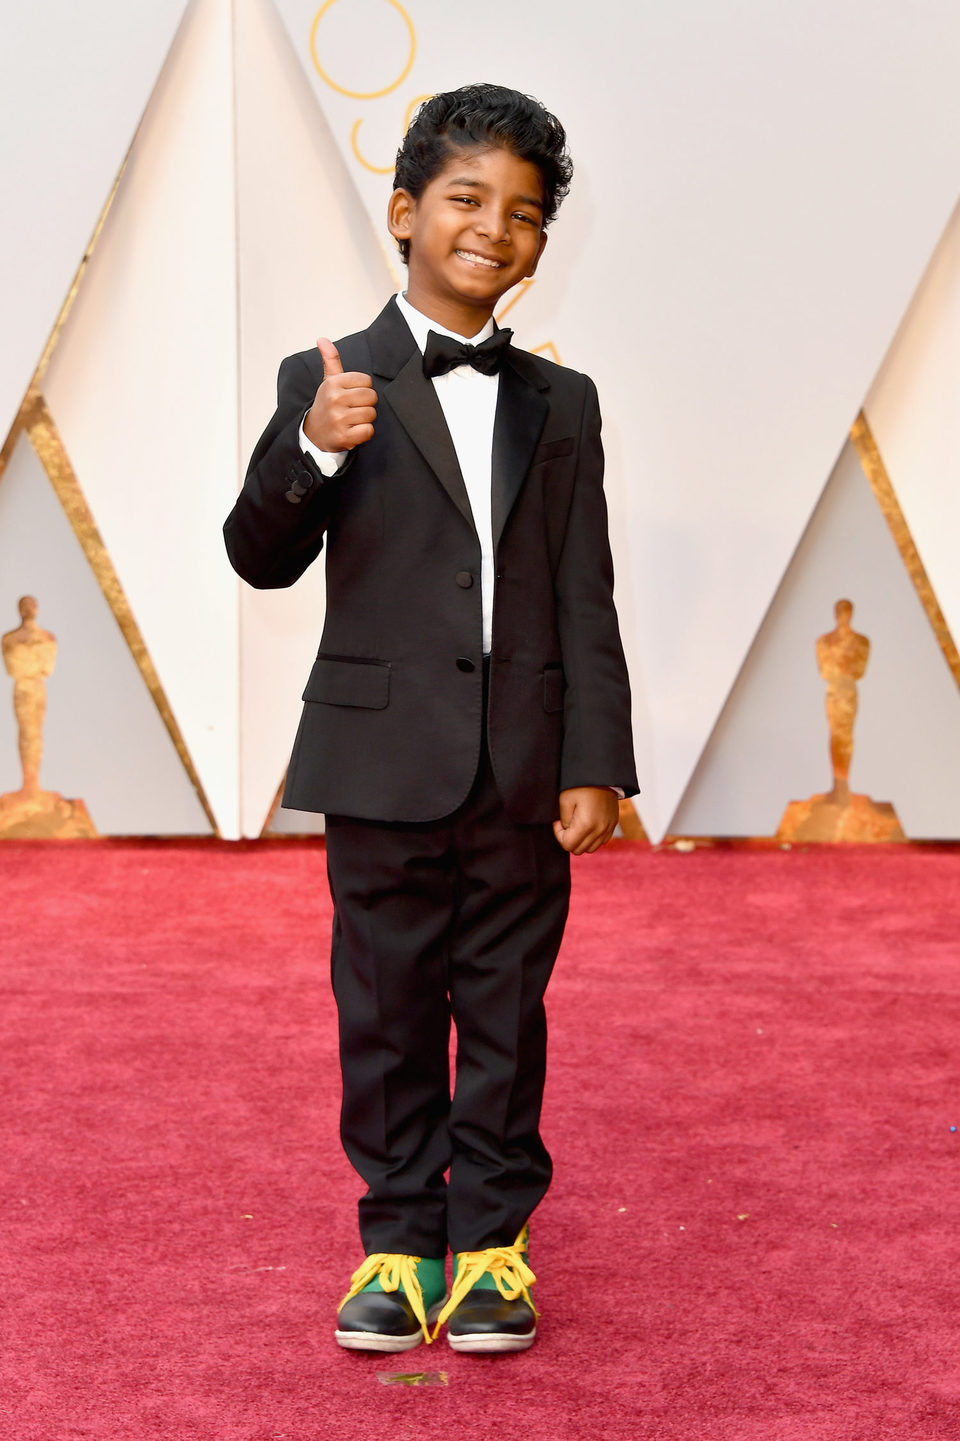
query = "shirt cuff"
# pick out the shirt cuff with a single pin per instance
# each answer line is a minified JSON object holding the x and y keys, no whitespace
{"x":329,"y":461}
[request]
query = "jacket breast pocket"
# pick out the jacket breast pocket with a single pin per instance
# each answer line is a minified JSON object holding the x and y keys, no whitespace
{"x":341,"y":680}
{"x":554,"y":449}
{"x":552,"y":688}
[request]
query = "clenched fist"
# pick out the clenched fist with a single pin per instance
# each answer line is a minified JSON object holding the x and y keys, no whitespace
{"x":588,"y":818}
{"x":344,"y":407}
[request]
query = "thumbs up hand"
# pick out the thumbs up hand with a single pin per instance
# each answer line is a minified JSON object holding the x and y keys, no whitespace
{"x":344,"y":407}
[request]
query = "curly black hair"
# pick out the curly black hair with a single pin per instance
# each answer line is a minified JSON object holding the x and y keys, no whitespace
{"x":483,"y":116}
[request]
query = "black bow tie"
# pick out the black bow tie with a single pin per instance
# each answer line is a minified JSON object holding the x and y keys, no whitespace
{"x":443,"y":353}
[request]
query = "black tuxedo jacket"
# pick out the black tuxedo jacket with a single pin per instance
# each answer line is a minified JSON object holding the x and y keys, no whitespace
{"x":391,"y":725}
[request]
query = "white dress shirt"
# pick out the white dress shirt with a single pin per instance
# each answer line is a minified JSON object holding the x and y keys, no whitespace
{"x":469,"y":404}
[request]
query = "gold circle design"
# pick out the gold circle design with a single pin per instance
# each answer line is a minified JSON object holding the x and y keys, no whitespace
{"x":363,"y":94}
{"x":355,"y":138}
{"x":367,"y":165}
{"x":408,"y":114}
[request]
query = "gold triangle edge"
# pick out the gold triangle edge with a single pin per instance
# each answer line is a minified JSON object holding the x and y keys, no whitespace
{"x":51,"y":452}
{"x":274,"y":807}
{"x":871,"y":460}
{"x":36,"y":379}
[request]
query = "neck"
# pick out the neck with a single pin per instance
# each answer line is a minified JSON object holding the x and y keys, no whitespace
{"x":460,"y":317}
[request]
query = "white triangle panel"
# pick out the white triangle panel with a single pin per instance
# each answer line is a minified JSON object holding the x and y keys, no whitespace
{"x":914,"y":413}
{"x":143,"y":386}
{"x":310,"y":265}
{"x":757,"y":192}
{"x":771,"y":743}
{"x":296,"y":823}
{"x":74,"y":82}
{"x":104,"y":740}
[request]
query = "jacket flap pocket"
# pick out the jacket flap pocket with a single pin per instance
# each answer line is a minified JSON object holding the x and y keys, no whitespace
{"x":349,"y":682}
{"x":554,"y":449}
{"x":553,"y":688}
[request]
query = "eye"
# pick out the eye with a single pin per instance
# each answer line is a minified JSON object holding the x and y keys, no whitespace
{"x":465,"y":199}
{"x":519,"y":215}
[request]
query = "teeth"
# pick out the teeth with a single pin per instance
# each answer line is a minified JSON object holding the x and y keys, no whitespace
{"x":478,"y":259}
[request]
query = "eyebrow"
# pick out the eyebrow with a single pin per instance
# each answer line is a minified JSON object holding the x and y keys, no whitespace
{"x":463,"y":181}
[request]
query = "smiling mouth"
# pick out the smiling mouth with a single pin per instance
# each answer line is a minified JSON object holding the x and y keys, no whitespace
{"x":481,"y":261}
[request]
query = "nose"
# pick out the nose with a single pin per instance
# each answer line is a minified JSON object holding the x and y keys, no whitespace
{"x":491,"y":223}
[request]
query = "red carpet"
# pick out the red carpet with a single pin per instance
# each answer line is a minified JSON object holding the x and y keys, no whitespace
{"x":752,"y":1234}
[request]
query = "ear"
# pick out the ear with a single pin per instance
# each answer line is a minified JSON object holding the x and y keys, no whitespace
{"x":400,"y":210}
{"x":536,"y":259}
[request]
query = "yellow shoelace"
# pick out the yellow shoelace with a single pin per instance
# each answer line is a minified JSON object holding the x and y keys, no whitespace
{"x":393,"y":1272}
{"x":506,"y":1264}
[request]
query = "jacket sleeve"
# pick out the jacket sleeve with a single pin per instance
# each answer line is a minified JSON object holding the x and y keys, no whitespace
{"x":597,"y":734}
{"x":276,"y":528}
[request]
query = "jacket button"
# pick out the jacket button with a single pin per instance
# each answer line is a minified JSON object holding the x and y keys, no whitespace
{"x":464,"y":579}
{"x":464,"y":664}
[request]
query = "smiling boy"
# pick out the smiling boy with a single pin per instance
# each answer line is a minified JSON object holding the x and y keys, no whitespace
{"x":466,"y":724}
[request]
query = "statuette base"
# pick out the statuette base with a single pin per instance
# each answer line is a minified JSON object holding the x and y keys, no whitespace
{"x":43,"y":815}
{"x":850,"y":819}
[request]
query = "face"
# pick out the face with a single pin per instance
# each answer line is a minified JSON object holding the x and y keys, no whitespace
{"x":474,"y":232}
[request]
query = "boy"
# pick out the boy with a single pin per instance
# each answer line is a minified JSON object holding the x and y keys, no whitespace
{"x":466,"y":723}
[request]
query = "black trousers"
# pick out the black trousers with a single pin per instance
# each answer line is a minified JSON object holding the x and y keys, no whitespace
{"x":458,"y":918}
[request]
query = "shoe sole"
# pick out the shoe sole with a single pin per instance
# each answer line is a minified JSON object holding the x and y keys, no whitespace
{"x":374,"y":1341}
{"x":377,"y":1341}
{"x":491,"y":1341}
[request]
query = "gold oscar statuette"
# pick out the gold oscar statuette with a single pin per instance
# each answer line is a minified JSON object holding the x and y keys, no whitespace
{"x":29,"y":654}
{"x":840,"y":815}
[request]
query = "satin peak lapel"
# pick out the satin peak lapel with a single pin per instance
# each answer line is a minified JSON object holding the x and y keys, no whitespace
{"x":414,"y":402}
{"x":521,"y":413}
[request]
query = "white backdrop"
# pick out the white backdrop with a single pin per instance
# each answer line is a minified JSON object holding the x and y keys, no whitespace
{"x":758,"y":194}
